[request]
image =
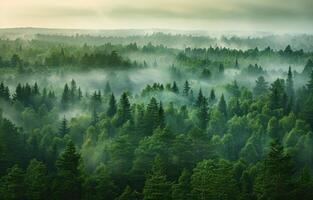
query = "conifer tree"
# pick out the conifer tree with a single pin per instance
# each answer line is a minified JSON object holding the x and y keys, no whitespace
{"x":124,"y":109}
{"x":161,"y":117}
{"x":222,"y":107}
{"x":261,"y":86}
{"x":36,"y":180}
{"x":64,"y":127}
{"x":275,"y":178}
{"x":175,"y":88}
{"x":186,"y":88}
{"x":181,"y":190}
{"x":66,"y":97}
{"x":156,"y":185}
{"x":12,"y":185}
{"x":107,"y":89}
{"x":212,"y":96}
{"x":68,"y":184}
{"x":112,"y":106}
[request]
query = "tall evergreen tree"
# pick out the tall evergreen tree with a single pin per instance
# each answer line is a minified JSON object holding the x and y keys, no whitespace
{"x":175,"y":88}
{"x":64,"y":129}
{"x":161,"y":117}
{"x":308,"y":68}
{"x":212,"y":96}
{"x":186,"y":88}
{"x":107,"y":89}
{"x":36,"y":180}
{"x":275,"y":178}
{"x":222,"y":106}
{"x":261,"y":87}
{"x":182,"y":189}
{"x":68,"y":183}
{"x":112,"y":106}
{"x":289,"y":85}
{"x":124,"y":109}
{"x":156,"y":185}
{"x":12,"y":185}
{"x":66,"y":97}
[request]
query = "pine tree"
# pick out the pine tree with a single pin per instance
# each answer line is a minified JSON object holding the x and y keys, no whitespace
{"x":161,"y":117}
{"x":68,"y":182}
{"x":186,"y":88}
{"x":36,"y":180}
{"x":73,"y":90}
{"x":261,"y":87}
{"x":12,"y":185}
{"x":175,"y":88}
{"x":202,"y":114}
{"x":112,"y":106}
{"x":63,"y":130}
{"x":181,"y":190}
{"x":222,"y":107}
{"x":66,"y":97}
{"x":124,"y":110}
{"x":289,"y":85}
{"x":107,"y":89}
{"x":275,"y":178}
{"x":151,"y":116}
{"x":212,"y":96}
{"x":200,"y":99}
{"x":156,"y":185}
{"x":308,"y":69}
{"x":79,"y":94}
{"x":35,"y":90}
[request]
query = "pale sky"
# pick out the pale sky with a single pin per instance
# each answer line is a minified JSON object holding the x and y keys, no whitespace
{"x":251,"y":15}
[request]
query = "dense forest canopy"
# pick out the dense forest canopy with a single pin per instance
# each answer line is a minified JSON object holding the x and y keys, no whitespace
{"x":155,"y":116}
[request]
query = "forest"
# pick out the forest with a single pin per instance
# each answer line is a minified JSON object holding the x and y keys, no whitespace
{"x":155,"y":116}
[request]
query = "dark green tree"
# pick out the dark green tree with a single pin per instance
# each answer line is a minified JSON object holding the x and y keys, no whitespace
{"x":186,"y":88}
{"x":36,"y":180}
{"x":64,"y":129}
{"x":222,"y":106}
{"x":156,"y":185}
{"x":182,"y":189}
{"x":112,"y":106}
{"x":261,"y":87}
{"x":274,"y":180}
{"x":12,"y":185}
{"x":68,"y":183}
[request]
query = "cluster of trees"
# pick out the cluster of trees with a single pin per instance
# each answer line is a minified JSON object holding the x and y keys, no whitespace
{"x":253,"y":145}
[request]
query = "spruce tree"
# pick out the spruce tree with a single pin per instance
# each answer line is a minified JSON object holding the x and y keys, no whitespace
{"x":161,"y":118}
{"x":181,"y":190}
{"x":36,"y":180}
{"x":156,"y":185}
{"x":308,"y":69}
{"x":112,"y":106}
{"x":175,"y":88}
{"x":275,"y":178}
{"x":222,"y":106}
{"x":12,"y":185}
{"x":124,"y":109}
{"x":64,"y":127}
{"x":186,"y":88}
{"x":107,"y":89}
{"x":289,"y":85}
{"x":68,"y":183}
{"x":212,"y":96}
{"x":66,"y":97}
{"x":261,"y":87}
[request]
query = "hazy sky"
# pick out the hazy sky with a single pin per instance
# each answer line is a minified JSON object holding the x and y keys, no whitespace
{"x":264,"y":15}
